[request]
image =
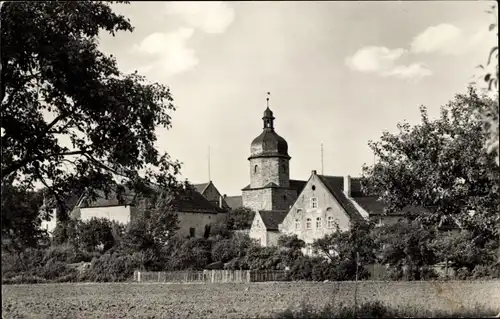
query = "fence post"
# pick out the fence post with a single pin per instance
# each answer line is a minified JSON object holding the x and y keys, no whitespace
{"x":213,"y":276}
{"x":158,"y":276}
{"x":248,"y":275}
{"x":138,"y":276}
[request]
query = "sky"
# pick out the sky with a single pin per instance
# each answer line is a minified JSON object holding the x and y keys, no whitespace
{"x":339,"y":74}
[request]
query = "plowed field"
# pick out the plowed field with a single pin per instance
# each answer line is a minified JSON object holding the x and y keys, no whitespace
{"x":132,"y":300}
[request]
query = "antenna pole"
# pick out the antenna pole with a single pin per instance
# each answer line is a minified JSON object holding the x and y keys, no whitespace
{"x":321,"y":158}
{"x":209,"y":178}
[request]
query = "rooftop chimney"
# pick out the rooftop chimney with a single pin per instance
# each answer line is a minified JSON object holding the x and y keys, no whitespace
{"x":347,"y":185}
{"x":314,"y":172}
{"x":224,"y":196}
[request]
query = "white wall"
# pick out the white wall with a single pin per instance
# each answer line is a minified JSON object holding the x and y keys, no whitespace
{"x":120,"y":214}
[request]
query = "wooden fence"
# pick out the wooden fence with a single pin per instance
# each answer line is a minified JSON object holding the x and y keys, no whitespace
{"x":211,"y":276}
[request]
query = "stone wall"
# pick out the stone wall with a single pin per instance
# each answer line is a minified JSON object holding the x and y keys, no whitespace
{"x":198,"y":221}
{"x":257,"y":199}
{"x":269,"y":170}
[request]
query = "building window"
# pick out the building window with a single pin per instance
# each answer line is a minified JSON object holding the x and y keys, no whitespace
{"x":284,"y":168}
{"x":297,"y":224}
{"x":308,"y":223}
{"x":284,"y":197}
{"x":314,"y":202}
{"x":313,"y":188}
{"x":319,"y":223}
{"x":191,"y":232}
{"x":330,"y":222}
{"x":255,"y":169}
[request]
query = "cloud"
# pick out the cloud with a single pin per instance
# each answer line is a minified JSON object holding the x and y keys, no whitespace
{"x":412,"y":71}
{"x":447,"y":39}
{"x":168,"y":52}
{"x":444,"y":38}
{"x":383,"y":61}
{"x":209,"y":17}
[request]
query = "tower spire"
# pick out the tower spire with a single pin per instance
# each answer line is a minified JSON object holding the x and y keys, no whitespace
{"x":268,"y":116}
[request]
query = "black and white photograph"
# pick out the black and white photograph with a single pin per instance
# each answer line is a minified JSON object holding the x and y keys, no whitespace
{"x":250,"y":159}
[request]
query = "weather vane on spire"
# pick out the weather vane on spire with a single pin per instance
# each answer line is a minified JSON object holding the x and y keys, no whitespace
{"x":267,"y":99}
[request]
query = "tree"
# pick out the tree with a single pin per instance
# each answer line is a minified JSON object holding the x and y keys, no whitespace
{"x":345,"y":245}
{"x":57,"y":86}
{"x":491,"y":115}
{"x":293,"y":246}
{"x":240,"y":218}
{"x":436,"y":166}
{"x":97,"y":233}
{"x":21,"y":218}
{"x":153,"y":228}
{"x":463,"y":249}
{"x":405,"y":244}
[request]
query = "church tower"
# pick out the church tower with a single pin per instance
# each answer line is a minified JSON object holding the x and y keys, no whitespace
{"x":269,"y":169}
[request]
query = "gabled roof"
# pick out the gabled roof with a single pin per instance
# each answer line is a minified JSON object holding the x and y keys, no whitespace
{"x":371,"y":205}
{"x":69,"y":201}
{"x":272,"y":218}
{"x":332,"y":184}
{"x":201,"y":187}
{"x":297,"y":185}
{"x":186,"y":201}
{"x":234,"y":201}
{"x":375,"y":207}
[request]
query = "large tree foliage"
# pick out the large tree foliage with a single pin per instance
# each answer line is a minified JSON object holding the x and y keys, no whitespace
{"x":491,"y":115}
{"x":438,"y":165}
{"x":20,"y":218}
{"x":240,"y":218}
{"x":70,"y":118}
{"x":405,"y":244}
{"x":352,"y":245}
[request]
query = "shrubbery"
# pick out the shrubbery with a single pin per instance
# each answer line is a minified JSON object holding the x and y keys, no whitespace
{"x":101,"y":251}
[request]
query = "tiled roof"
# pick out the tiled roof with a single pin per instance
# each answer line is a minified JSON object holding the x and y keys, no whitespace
{"x":272,"y":218}
{"x":371,"y":204}
{"x":375,"y":207}
{"x":297,"y":185}
{"x":201,"y":187}
{"x":186,"y":201}
{"x":234,"y":201}
{"x":332,"y":183}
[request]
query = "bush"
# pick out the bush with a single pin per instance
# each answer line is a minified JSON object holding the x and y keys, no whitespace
{"x":225,"y":250}
{"x":67,"y":253}
{"x":54,"y":269}
{"x":113,"y":267}
{"x":486,"y":272}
